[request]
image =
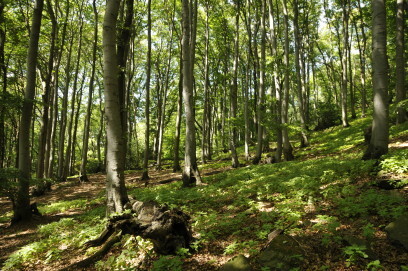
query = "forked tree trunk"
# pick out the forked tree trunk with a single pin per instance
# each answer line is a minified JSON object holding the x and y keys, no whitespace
{"x":379,"y":139}
{"x":115,"y":179}
{"x":22,"y":210}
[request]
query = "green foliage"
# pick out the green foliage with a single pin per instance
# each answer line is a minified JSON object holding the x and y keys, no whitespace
{"x":395,"y":162}
{"x":326,"y":116}
{"x":168,"y":263}
{"x":371,"y":202}
{"x":354,"y":253}
{"x":375,"y":265}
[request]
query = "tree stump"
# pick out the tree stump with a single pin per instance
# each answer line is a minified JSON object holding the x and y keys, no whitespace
{"x":168,"y":229}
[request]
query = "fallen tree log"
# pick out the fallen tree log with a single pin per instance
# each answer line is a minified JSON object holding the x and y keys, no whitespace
{"x":168,"y":230}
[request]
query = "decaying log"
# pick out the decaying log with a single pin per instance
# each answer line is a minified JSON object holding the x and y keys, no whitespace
{"x":168,"y":230}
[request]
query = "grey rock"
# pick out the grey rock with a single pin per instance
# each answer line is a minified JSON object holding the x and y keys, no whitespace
{"x":283,"y":253}
{"x":238,"y":263}
{"x":398,"y":231}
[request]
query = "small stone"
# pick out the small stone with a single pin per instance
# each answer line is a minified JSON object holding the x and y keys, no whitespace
{"x":398,"y":231}
{"x":238,"y":263}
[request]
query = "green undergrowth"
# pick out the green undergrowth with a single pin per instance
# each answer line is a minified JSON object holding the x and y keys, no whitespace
{"x":327,"y":189}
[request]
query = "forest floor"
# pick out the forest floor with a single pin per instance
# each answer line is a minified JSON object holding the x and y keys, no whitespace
{"x":325,"y":198}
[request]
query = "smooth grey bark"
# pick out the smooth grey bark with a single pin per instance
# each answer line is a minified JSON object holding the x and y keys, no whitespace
{"x":362,"y":56}
{"x":176,"y":155}
{"x":287,"y":147}
{"x":344,"y":66}
{"x":261,"y":95}
{"x":3,"y":91}
{"x":299,"y":81}
{"x":191,"y":175}
{"x":75,"y":129}
{"x":22,"y":210}
{"x":206,"y":114}
{"x":47,"y":98}
{"x":63,"y":121}
{"x":49,"y":166}
{"x":87,"y":125}
{"x":68,"y":151}
{"x":276,"y":106}
{"x":234,"y":93}
{"x":145,"y":175}
{"x":164,"y":100}
{"x":123,"y":48}
{"x":400,"y":87}
{"x":115,"y":178}
{"x":380,"y":131}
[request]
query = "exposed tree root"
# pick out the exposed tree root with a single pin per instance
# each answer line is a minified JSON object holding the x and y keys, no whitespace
{"x":168,"y":229}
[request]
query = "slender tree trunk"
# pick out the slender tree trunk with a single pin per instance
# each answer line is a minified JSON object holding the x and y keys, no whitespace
{"x":234,"y":93}
{"x":22,"y":209}
{"x":3,"y":78}
{"x":176,"y":158}
{"x":277,"y":106}
{"x":379,"y":139}
{"x":87,"y":124}
{"x":246,"y":110}
{"x":344,"y":83}
{"x":115,"y":179}
{"x":124,"y":37}
{"x":191,"y":175}
{"x":362,"y":53}
{"x":400,"y":87}
{"x":145,"y":175}
{"x":261,"y":96}
{"x":299,"y":83}
{"x":68,"y":152}
{"x":63,"y":121}
{"x":287,"y":147}
{"x":75,"y":131}
{"x":206,"y":126}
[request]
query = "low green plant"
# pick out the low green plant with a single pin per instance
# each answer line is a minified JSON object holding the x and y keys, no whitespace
{"x":375,"y":265}
{"x":354,"y":253}
{"x":168,"y":263}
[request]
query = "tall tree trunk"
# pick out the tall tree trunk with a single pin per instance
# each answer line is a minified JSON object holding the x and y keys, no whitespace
{"x":379,"y":139}
{"x":115,"y":179}
{"x":87,"y":124}
{"x":191,"y":175}
{"x":22,"y":209}
{"x":49,"y":168}
{"x":400,"y":87}
{"x":206,"y":124}
{"x":277,"y":106}
{"x":124,"y":37}
{"x":71,"y":169}
{"x":3,"y":91}
{"x":261,"y":96}
{"x":234,"y":93}
{"x":47,"y":99}
{"x":165,"y":92}
{"x":299,"y":81}
{"x":68,"y":152}
{"x":344,"y":83}
{"x":145,"y":175}
{"x":362,"y":53}
{"x":176,"y":156}
{"x":63,"y":121}
{"x":287,"y":147}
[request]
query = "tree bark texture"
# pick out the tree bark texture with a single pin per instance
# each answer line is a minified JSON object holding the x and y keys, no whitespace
{"x":22,"y":209}
{"x":115,"y":187}
{"x":380,"y":131}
